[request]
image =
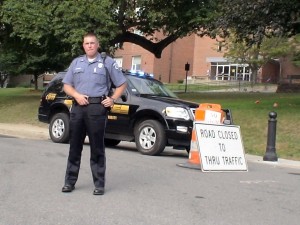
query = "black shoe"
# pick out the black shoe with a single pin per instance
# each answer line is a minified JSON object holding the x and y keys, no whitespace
{"x":99,"y":191}
{"x":68,"y":188}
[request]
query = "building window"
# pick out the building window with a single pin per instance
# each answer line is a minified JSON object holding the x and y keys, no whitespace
{"x":136,"y":63}
{"x":119,"y":61}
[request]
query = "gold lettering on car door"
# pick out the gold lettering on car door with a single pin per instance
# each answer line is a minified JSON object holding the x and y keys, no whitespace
{"x":50,"y":96}
{"x":120,"y":109}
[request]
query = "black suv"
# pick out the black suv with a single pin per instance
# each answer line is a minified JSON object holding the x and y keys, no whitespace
{"x":147,"y":113}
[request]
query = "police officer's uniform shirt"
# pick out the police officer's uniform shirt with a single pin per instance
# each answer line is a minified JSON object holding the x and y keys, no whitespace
{"x":90,"y":78}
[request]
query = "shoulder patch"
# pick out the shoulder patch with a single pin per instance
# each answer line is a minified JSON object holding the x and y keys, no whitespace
{"x":116,"y":66}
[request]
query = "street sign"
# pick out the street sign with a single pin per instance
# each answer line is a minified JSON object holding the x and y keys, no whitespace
{"x":220,"y":147}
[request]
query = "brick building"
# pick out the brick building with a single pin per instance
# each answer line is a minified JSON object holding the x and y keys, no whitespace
{"x":206,"y":62}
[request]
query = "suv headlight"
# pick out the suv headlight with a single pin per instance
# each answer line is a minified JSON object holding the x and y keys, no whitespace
{"x":177,"y":112}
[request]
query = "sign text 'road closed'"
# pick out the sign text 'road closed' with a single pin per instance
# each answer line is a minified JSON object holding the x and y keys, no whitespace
{"x":221,"y":147}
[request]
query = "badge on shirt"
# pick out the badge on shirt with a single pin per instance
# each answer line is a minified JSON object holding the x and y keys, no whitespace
{"x":100,"y":65}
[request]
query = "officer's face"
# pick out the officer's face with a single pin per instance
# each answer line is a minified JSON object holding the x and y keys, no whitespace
{"x":90,"y":46}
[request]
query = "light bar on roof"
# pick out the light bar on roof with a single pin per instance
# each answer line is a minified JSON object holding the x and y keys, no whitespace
{"x":139,"y":73}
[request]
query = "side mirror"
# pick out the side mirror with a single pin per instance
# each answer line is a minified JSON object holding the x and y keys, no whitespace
{"x":124,"y":97}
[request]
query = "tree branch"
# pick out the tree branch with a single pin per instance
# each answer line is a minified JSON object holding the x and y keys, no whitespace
{"x":155,"y":48}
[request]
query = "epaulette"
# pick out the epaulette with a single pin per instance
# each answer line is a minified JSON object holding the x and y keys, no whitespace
{"x":81,"y":58}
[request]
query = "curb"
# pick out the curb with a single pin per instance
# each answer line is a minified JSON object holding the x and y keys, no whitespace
{"x":279,"y":163}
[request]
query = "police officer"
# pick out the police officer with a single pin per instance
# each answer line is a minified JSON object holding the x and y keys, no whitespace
{"x":87,"y":81}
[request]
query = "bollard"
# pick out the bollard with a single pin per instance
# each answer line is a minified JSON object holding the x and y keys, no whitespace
{"x":270,"y":154}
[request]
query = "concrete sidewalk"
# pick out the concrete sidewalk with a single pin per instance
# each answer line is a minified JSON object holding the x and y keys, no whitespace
{"x":279,"y":163}
{"x":28,"y":131}
{"x":25,"y":131}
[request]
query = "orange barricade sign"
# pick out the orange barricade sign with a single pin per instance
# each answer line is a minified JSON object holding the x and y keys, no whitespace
{"x":210,"y":113}
{"x":207,"y":113}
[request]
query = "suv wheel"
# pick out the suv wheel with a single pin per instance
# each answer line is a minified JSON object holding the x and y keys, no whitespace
{"x":59,"y":128}
{"x":150,"y":137}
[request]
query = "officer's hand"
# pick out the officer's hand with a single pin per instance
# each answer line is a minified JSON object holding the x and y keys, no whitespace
{"x":82,"y":99}
{"x":108,"y":102}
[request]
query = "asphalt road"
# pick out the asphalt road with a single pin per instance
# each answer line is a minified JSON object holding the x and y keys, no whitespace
{"x":140,"y":190}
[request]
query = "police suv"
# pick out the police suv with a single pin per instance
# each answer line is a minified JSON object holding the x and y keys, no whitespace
{"x":147,"y":113}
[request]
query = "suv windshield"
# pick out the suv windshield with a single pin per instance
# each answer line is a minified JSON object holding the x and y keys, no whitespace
{"x":55,"y":85}
{"x":141,"y":86}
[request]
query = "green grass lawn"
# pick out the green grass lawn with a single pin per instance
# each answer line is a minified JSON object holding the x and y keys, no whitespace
{"x":252,"y":117}
{"x":20,"y":105}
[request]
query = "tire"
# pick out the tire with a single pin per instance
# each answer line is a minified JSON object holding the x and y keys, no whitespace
{"x":59,"y":128}
{"x":150,"y":137}
{"x":111,"y":142}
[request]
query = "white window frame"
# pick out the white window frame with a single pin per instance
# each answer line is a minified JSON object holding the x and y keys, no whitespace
{"x":136,"y":62}
{"x":119,"y":61}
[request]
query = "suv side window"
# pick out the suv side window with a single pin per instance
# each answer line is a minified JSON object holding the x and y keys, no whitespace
{"x":56,"y":87}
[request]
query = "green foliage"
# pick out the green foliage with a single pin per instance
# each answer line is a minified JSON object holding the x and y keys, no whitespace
{"x":275,"y":47}
{"x":255,"y":20}
{"x":72,"y":19}
{"x":62,"y":24}
{"x":258,"y":31}
{"x":27,"y":43}
{"x":44,"y":35}
{"x":254,"y":55}
{"x":296,"y":50}
{"x":8,"y":61}
{"x":41,"y":35}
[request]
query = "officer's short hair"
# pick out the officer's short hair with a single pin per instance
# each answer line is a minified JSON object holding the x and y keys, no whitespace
{"x":90,"y":34}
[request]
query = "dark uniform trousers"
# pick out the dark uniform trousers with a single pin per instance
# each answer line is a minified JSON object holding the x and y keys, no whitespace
{"x":91,"y":120}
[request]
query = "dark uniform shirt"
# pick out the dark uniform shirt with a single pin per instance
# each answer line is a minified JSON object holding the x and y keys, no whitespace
{"x":90,"y":78}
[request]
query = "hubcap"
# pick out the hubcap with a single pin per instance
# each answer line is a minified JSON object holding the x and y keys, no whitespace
{"x":147,"y":137}
{"x":58,"y":128}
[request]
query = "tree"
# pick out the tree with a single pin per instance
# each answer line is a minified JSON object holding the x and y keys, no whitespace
{"x":29,"y":53}
{"x":251,"y":22}
{"x":250,"y":25}
{"x":174,"y":18}
{"x":113,"y":20}
{"x":296,"y":50}
{"x":3,"y":78}
{"x":270,"y":48}
{"x":48,"y":33}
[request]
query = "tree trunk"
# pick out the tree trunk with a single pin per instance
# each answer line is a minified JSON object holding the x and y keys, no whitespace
{"x":3,"y":78}
{"x":36,"y":81}
{"x":254,"y":76}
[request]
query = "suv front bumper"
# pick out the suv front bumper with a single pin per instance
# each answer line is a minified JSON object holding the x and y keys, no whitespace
{"x":179,"y":133}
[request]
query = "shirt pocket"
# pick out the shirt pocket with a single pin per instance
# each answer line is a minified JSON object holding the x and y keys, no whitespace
{"x":99,"y":76}
{"x":78,"y":73}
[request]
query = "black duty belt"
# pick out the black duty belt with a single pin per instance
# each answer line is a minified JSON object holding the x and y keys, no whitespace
{"x":96,"y":100}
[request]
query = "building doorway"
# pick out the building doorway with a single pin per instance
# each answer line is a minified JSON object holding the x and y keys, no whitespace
{"x":227,"y":71}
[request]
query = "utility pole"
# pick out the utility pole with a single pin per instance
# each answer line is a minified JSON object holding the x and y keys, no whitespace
{"x":187,"y":68}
